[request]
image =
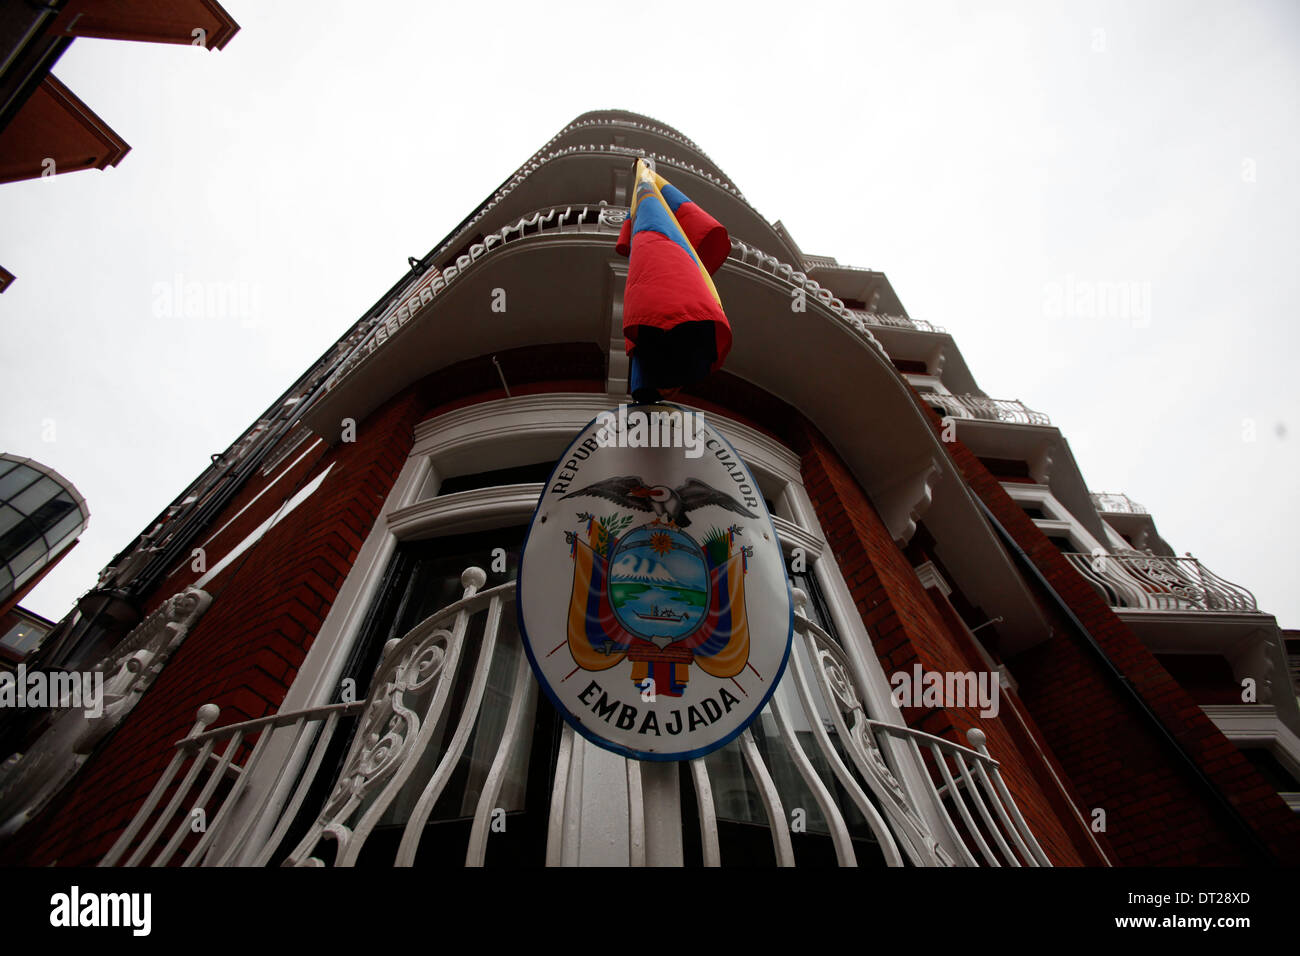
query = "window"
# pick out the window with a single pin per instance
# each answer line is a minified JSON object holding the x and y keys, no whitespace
{"x":1063,"y":544}
{"x":743,"y":834}
{"x":38,"y":516}
{"x":16,"y":479}
{"x":521,"y":475}
{"x":22,"y":638}
{"x":1051,"y":517}
{"x":1272,"y":769}
{"x":424,"y":577}
{"x":526,"y":435}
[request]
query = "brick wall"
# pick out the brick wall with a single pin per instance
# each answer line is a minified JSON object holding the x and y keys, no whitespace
{"x":1157,"y":812}
{"x":906,"y":628}
{"x":270,"y":602}
{"x":245,"y":651}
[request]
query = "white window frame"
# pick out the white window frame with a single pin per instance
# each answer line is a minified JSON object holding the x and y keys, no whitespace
{"x":927,"y":383}
{"x":1259,"y":726}
{"x":515,"y":431}
{"x":1059,"y":523}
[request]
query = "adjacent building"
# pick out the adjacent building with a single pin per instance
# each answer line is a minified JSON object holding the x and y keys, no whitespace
{"x":41,"y":517}
{"x":45,"y":128}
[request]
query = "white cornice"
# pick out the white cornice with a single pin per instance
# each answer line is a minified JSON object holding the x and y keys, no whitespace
{"x":794,"y":536}
{"x":478,"y":510}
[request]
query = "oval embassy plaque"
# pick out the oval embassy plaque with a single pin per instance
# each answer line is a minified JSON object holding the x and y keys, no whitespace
{"x":653,"y":601}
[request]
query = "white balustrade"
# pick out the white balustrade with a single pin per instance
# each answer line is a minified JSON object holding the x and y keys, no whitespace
{"x":986,"y":409}
{"x":395,"y":750}
{"x":1160,"y":583}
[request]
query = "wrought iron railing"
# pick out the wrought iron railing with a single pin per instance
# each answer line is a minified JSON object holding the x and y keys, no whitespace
{"x":960,"y":780}
{"x":1109,"y":503}
{"x":897,"y":321}
{"x":986,"y":409}
{"x":1156,"y":582}
{"x":247,"y":822}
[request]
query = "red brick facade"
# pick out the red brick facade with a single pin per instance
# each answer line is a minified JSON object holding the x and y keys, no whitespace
{"x":268,"y":605}
{"x":906,"y":628}
{"x":245,"y":651}
{"x":1157,"y":813}
{"x":1069,"y":741}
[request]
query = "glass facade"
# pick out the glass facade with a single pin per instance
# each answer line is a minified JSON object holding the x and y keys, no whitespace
{"x":40,"y":515}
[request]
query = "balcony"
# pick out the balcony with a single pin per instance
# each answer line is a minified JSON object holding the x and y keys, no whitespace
{"x":1158,"y":583}
{"x":896,"y":321}
{"x":926,"y":800}
{"x":1110,"y":503}
{"x":985,"y":409}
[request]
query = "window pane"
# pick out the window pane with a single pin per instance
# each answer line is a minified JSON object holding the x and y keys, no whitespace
{"x":29,"y":556}
{"x":736,"y":795}
{"x":66,"y":527}
{"x":36,"y":494}
{"x":491,"y":725}
{"x":23,"y":637}
{"x":16,"y":480}
{"x":429,"y":580}
{"x":8,"y":518}
{"x":52,"y":510}
{"x":17,"y":538}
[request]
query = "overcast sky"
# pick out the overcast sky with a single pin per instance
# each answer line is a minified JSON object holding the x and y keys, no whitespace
{"x":998,"y":164}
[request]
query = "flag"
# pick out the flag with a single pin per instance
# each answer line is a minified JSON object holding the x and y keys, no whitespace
{"x":674,"y":328}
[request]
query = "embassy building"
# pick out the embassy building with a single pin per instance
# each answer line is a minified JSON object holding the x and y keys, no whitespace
{"x":317,"y":643}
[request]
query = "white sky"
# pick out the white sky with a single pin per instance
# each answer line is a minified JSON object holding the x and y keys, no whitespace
{"x":977,"y":157}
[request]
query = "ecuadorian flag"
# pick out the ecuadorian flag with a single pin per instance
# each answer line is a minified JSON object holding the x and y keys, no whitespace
{"x":673,"y":321}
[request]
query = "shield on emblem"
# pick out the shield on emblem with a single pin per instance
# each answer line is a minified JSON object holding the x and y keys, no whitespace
{"x":653,"y":600}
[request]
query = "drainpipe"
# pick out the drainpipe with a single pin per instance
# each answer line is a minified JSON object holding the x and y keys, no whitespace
{"x":1255,"y":844}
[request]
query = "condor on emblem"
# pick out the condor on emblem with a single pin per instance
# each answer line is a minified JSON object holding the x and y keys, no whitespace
{"x":653,"y":600}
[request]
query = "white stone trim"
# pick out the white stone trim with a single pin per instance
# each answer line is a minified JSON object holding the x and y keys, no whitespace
{"x":513,"y":431}
{"x":29,"y":781}
{"x":929,"y":383}
{"x":877,"y":694}
{"x":1258,"y":725}
{"x":1060,"y":521}
{"x":260,"y":531}
{"x":931,"y":578}
{"x":478,"y":510}
{"x":265,"y":488}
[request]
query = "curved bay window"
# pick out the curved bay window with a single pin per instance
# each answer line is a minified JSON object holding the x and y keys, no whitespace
{"x":555,"y":797}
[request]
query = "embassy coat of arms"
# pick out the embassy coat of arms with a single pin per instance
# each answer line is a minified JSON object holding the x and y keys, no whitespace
{"x":653,"y":599}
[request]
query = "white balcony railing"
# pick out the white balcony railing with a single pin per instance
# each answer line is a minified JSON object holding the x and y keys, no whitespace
{"x":1112,"y":503}
{"x":1159,"y":583}
{"x":897,"y":321}
{"x":986,"y":409}
{"x":962,"y":788}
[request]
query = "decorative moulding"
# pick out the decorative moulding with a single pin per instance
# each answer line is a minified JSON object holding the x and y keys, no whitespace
{"x":29,"y":781}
